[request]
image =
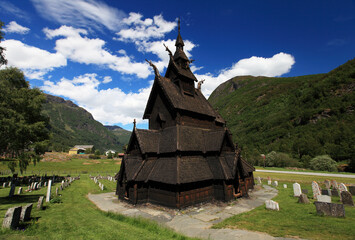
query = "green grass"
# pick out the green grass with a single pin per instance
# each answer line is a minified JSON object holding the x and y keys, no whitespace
{"x":294,"y":219}
{"x":77,"y":218}
{"x":74,"y":166}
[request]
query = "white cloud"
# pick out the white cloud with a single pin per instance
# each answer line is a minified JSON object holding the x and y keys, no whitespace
{"x":107,"y":79}
{"x":10,"y":8}
{"x":275,"y":66}
{"x":109,"y":106}
{"x":139,"y":29}
{"x":81,"y":13}
{"x":14,"y":27}
{"x":35,"y":62}
{"x":91,"y":51}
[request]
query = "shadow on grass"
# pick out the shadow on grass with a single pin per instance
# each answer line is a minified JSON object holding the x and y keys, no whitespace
{"x":19,"y":199}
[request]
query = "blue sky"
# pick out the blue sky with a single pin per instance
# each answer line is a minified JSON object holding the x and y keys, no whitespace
{"x":93,"y":52}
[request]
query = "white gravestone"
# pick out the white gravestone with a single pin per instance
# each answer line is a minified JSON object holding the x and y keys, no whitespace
{"x":275,"y":183}
{"x":4,"y":185}
{"x":327,"y":184}
{"x":19,"y":191}
{"x":272,"y":205}
{"x":342,"y":187}
{"x":285,"y":185}
{"x":48,"y":198}
{"x":334,"y":184}
{"x":315,"y":189}
{"x":268,"y":182}
{"x":297,"y":190}
{"x":324,"y":198}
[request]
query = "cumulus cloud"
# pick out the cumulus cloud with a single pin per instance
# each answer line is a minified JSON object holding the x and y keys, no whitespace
{"x":138,"y":29}
{"x":14,"y":27}
{"x":109,"y":106}
{"x":275,"y":66}
{"x":107,"y":79}
{"x":35,"y":62}
{"x":77,"y":48}
{"x":80,"y":13}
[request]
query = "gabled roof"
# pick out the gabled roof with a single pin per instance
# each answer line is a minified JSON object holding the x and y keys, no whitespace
{"x":180,"y":101}
{"x":180,"y":138}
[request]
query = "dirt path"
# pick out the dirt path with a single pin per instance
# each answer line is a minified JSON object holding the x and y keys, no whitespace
{"x":196,"y":221}
{"x":310,"y":173}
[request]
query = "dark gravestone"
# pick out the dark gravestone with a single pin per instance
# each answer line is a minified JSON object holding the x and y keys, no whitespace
{"x":330,"y":209}
{"x":303,"y":199}
{"x":12,"y":218}
{"x":12,"y":190}
{"x":352,"y":190}
{"x":346,"y":198}
{"x":326,"y":192}
{"x":335,"y":192}
{"x":305,"y":191}
{"x":26,"y":212}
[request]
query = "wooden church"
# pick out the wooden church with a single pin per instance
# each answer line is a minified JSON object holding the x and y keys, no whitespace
{"x":187,"y":156}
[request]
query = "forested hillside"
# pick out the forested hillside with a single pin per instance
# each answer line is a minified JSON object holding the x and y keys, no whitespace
{"x":72,"y":125}
{"x":304,"y":116}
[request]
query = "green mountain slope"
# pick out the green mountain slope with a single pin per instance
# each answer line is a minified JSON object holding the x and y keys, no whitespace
{"x":305,"y":116}
{"x":72,"y":125}
{"x":122,"y":134}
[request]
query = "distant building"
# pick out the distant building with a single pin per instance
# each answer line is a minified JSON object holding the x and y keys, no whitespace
{"x":81,"y":149}
{"x":110,"y":151}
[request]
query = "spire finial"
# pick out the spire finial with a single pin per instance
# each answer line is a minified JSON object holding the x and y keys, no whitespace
{"x":134,"y":123}
{"x":179,"y":25}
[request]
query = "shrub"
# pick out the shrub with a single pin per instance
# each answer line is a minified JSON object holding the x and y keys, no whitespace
{"x":94,"y":156}
{"x":323,"y":163}
{"x":275,"y":159}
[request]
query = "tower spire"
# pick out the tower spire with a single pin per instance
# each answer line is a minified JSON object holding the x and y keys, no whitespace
{"x":179,"y":42}
{"x":179,"y":25}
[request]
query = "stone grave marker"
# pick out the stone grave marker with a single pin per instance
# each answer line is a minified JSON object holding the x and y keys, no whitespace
{"x":330,"y":209}
{"x":334,"y":184}
{"x":61,"y":188}
{"x":296,"y":190}
{"x":12,"y":218}
{"x":268,"y":182}
{"x":45,"y":184}
{"x":315,"y":189}
{"x":303,"y":199}
{"x":342,"y":187}
{"x":48,"y":198}
{"x":56,"y":191}
{"x":324,"y":198}
{"x":305,"y":191}
{"x":275,"y":183}
{"x":285,"y":185}
{"x":335,"y":192}
{"x":352,"y":190}
{"x":40,"y":203}
{"x":326,"y":192}
{"x":259,"y":180}
{"x":26,"y":212}
{"x":12,"y":190}
{"x":346,"y":198}
{"x":272,"y":205}
{"x":327,"y":184}
{"x":19,"y":191}
{"x":4,"y":185}
{"x":10,"y":184}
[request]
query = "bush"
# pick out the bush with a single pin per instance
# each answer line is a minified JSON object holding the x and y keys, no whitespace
{"x":94,"y":156}
{"x":275,"y":159}
{"x":323,"y":163}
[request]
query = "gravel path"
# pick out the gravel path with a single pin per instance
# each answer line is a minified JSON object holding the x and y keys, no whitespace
{"x":310,"y":173}
{"x":194,"y":221}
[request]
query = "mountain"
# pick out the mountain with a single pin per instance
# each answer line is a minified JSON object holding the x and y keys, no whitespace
{"x":72,"y":125}
{"x":304,"y":116}
{"x":122,"y":134}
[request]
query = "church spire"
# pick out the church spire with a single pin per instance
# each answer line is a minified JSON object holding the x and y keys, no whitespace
{"x":179,"y":42}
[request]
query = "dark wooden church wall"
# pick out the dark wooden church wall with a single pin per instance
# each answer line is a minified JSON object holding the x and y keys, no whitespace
{"x":162,"y":194}
{"x":160,"y":107}
{"x":194,"y":193}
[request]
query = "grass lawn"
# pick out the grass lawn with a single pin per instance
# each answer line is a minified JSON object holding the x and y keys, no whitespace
{"x":295,"y":219}
{"x":77,"y":218}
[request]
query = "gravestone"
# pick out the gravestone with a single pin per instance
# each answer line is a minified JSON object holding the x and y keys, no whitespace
{"x":35,"y":186}
{"x":342,"y":187}
{"x":29,"y":188}
{"x":296,"y":190}
{"x":56,"y":191}
{"x":12,"y":190}
{"x":61,"y":188}
{"x":275,"y":183}
{"x":259,"y":180}
{"x":326,"y":192}
{"x":12,"y":218}
{"x":40,"y":203}
{"x":268,"y":182}
{"x":303,"y":199}
{"x":330,"y":209}
{"x":19,"y":191}
{"x":352,"y":190}
{"x":4,"y":185}
{"x":45,"y":184}
{"x":335,"y":192}
{"x":102,"y":187}
{"x":285,"y":185}
{"x":62,"y":184}
{"x":272,"y":205}
{"x":327,"y":184}
{"x":324,"y":198}
{"x":10,"y":184}
{"x":315,"y":189}
{"x":48,"y":198}
{"x":346,"y":198}
{"x":334,"y":184}
{"x":26,"y":212}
